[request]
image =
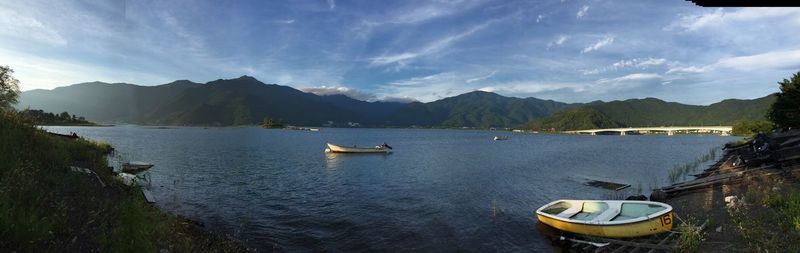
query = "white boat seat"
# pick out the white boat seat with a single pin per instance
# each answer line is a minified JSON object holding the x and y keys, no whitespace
{"x":607,"y":215}
{"x":570,"y":211}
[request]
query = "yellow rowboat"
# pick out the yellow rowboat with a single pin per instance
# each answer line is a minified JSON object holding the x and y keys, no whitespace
{"x":607,"y":218}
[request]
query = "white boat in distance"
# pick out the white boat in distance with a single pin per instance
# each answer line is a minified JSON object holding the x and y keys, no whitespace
{"x":500,"y":138}
{"x":383,"y":148}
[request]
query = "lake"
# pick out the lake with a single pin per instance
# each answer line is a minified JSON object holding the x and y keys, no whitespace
{"x":439,"y":190}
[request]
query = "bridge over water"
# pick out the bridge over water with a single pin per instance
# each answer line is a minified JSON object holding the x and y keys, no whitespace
{"x":722,"y":130}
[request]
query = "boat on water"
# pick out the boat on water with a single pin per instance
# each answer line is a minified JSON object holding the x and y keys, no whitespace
{"x":607,"y":218}
{"x":333,"y":148}
{"x":500,"y":138}
{"x":133,"y":167}
{"x":68,"y":136}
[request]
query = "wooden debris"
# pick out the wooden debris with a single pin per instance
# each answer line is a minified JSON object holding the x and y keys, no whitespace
{"x":607,"y":185}
{"x":148,"y":196}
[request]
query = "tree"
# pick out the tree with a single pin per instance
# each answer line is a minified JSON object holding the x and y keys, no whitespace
{"x":745,"y":127}
{"x":9,"y":89}
{"x":270,"y":123}
{"x":785,"y":112}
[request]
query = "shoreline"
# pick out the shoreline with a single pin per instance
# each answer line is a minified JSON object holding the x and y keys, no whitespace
{"x":717,"y":194}
{"x":59,"y":194}
{"x":747,"y":201}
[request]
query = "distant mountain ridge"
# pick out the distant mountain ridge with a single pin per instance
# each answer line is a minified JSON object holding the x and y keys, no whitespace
{"x":246,"y":101}
{"x":654,"y":112}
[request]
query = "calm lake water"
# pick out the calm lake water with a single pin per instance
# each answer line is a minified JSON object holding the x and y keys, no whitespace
{"x":440,"y":190}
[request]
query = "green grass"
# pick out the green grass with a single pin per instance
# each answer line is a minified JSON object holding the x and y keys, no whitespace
{"x":690,"y":235}
{"x":46,"y":207}
{"x":770,"y":218}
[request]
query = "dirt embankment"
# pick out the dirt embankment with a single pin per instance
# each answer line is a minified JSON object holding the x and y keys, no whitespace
{"x":746,"y":197}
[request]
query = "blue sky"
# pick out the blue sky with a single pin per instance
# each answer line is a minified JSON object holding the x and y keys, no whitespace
{"x":571,"y":51}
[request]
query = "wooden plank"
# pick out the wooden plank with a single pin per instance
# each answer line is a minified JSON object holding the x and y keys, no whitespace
{"x":148,"y":196}
{"x":727,"y":180}
{"x":621,"y":248}
{"x":666,"y":238}
{"x":638,"y":244}
{"x":716,"y":177}
{"x":607,"y":185}
{"x":99,"y":180}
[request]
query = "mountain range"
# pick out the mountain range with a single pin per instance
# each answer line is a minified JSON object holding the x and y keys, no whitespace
{"x":246,"y":101}
{"x":654,"y":112}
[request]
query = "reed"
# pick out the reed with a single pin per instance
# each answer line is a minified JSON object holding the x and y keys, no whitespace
{"x":679,"y":172}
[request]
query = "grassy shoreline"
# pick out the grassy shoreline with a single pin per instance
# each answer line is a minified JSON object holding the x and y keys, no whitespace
{"x":755,"y":204}
{"x":47,"y":207}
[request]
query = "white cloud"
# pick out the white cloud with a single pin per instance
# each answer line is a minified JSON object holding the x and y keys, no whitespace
{"x":431,"y":48}
{"x":287,"y":21}
{"x":425,"y":80}
{"x":14,"y":24}
{"x":422,"y":13}
{"x":36,"y":72}
{"x":632,"y":78}
{"x":427,"y":88}
{"x":480,"y":78}
{"x":332,"y":4}
{"x":539,"y":18}
{"x":651,"y":62}
{"x":339,"y":90}
{"x":601,"y":86}
{"x":788,"y":59}
{"x":599,"y":44}
{"x":558,"y":42}
{"x":561,"y":40}
{"x":582,"y":12}
{"x":417,"y":13}
{"x":532,"y":87}
{"x":194,"y":43}
{"x":396,"y":58}
{"x":720,"y":17}
{"x":690,"y":69}
{"x":640,"y":63}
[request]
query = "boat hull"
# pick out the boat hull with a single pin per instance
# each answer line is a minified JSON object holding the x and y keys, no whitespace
{"x":339,"y":149}
{"x":655,"y":225}
{"x":135,"y":167}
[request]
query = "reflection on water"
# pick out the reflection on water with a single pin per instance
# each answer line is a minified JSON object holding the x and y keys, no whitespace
{"x":439,"y":190}
{"x":333,"y":160}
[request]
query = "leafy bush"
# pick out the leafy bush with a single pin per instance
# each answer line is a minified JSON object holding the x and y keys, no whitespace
{"x":785,"y":112}
{"x":747,"y":128}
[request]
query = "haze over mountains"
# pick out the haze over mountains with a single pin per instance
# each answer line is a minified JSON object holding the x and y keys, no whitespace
{"x":246,"y":101}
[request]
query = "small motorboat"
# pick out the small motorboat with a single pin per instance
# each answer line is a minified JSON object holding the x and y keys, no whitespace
{"x":607,"y":218}
{"x":133,"y":167}
{"x":383,"y":148}
{"x":500,"y":138}
{"x":313,"y":129}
